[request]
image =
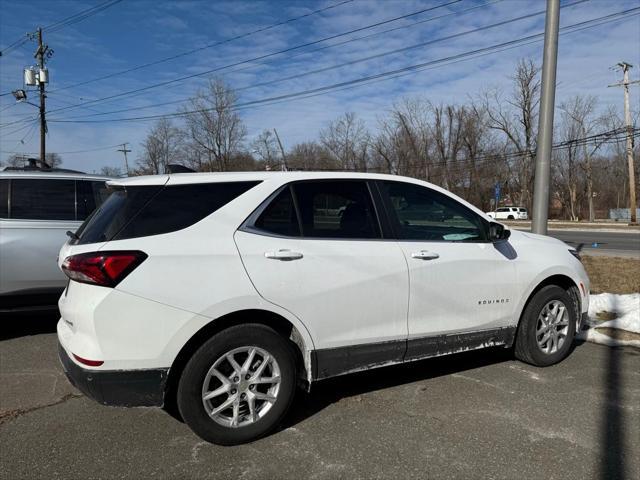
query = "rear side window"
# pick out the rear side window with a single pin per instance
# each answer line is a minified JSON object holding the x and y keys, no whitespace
{"x":4,"y":198}
{"x":320,"y":209}
{"x":152,"y":210}
{"x":43,"y":199}
{"x":280,"y":216}
{"x":336,"y":209}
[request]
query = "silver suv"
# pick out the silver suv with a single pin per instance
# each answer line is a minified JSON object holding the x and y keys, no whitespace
{"x":36,"y":209}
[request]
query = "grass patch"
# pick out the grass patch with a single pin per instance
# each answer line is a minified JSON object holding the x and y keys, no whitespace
{"x":613,"y":274}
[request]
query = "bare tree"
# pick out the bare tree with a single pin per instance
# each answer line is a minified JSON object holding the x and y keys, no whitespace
{"x":402,"y":143}
{"x":518,"y":122}
{"x":347,"y":139}
{"x":265,"y":148}
{"x":567,"y":176}
{"x":53,"y":160}
{"x":15,"y":160}
{"x":577,"y":115}
{"x":447,"y":135}
{"x":614,"y":176}
{"x":213,"y":127}
{"x":311,"y":156}
{"x":161,"y":147}
{"x":108,"y":171}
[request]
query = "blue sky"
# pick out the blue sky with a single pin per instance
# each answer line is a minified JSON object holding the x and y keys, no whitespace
{"x":134,"y":32}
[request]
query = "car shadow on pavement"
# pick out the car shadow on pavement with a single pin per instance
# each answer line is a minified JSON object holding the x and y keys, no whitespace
{"x":327,"y":392}
{"x":26,"y":324}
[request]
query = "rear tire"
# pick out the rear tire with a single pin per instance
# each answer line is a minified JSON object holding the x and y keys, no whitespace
{"x":547,"y":327}
{"x":238,"y":385}
{"x":510,"y":217}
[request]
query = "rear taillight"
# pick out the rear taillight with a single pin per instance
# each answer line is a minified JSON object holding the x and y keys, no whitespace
{"x":106,"y":269}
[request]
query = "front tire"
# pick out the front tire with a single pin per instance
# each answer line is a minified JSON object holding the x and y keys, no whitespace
{"x":547,"y":327}
{"x":239,"y":385}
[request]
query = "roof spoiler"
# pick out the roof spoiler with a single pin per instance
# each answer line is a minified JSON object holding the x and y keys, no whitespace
{"x":176,"y":168}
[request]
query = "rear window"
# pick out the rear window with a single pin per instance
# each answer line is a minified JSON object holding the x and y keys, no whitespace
{"x":153,"y":210}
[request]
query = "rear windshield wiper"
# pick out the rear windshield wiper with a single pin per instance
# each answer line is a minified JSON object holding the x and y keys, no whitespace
{"x":72,"y":235}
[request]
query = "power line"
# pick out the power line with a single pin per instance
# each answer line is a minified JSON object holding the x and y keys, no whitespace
{"x":260,"y":57}
{"x":78,"y":17}
{"x":308,"y":52}
{"x":60,"y":24}
{"x":27,"y":124}
{"x":210,"y":45}
{"x":626,"y":14}
{"x":351,"y":62}
{"x":21,"y":41}
{"x":97,"y":149}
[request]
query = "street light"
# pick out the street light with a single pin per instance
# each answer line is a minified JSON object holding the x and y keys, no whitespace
{"x":20,"y":95}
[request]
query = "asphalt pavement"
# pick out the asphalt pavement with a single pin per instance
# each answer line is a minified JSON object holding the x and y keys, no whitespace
{"x":473,"y":415}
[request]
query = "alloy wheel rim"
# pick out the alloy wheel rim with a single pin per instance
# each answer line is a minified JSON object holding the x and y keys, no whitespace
{"x":241,"y":386}
{"x":552,"y":327}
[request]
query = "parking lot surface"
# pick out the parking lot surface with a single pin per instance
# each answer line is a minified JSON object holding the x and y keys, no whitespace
{"x":474,"y":415}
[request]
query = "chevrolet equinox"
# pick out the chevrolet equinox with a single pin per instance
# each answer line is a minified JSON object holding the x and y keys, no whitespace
{"x":220,"y":293}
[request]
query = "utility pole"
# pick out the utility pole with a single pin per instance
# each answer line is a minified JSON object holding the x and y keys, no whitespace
{"x":39,"y":55}
{"x":627,"y":120}
{"x":125,"y":151}
{"x":545,"y":119}
{"x":284,"y":157}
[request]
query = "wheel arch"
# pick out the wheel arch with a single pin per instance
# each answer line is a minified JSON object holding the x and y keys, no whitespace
{"x":251,"y":315}
{"x":561,"y":280}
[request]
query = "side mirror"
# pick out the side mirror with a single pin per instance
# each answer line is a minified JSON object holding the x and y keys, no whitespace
{"x":497,"y":232}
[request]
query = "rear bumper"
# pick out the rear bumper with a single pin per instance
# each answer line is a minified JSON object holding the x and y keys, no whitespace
{"x":124,"y":388}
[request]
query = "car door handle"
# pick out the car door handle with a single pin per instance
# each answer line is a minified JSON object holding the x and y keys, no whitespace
{"x":425,"y":255}
{"x":284,"y":255}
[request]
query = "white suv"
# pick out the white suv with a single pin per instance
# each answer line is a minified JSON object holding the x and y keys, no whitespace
{"x":510,"y":213}
{"x":221,"y":292}
{"x":37,"y":208}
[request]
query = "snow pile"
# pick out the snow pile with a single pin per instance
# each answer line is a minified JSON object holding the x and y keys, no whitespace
{"x":627,"y":311}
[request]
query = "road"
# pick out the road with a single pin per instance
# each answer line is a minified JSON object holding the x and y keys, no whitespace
{"x":601,"y":242}
{"x":473,"y":415}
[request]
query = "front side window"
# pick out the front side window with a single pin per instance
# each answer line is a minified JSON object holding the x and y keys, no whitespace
{"x":43,"y":199}
{"x":336,"y":209}
{"x":420,"y":213}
